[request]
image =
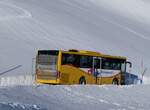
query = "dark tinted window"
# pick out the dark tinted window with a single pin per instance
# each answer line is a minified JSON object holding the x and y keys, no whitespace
{"x":111,"y":64}
{"x":70,"y":59}
{"x":86,"y":62}
{"x":48,"y":52}
{"x":77,"y":60}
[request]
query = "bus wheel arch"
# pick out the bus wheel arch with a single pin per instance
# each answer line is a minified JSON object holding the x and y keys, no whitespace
{"x":82,"y":80}
{"x":115,"y":81}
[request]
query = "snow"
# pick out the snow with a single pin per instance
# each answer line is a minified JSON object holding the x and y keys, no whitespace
{"x":146,"y":80}
{"x":79,"y":97}
{"x":17,"y":106}
{"x":17,"y":80}
{"x":135,"y":9}
{"x":9,"y":11}
{"x":116,"y":27}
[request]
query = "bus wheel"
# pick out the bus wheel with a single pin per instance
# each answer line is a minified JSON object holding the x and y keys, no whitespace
{"x":82,"y":81}
{"x":115,"y":82}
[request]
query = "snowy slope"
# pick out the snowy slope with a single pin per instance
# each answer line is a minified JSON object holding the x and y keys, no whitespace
{"x":77,"y":97}
{"x":110,"y":26}
{"x":97,"y":25}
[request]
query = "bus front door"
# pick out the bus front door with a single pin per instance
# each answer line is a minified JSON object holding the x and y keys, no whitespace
{"x":97,"y":70}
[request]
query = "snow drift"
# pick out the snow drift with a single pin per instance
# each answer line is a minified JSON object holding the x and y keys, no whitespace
{"x":17,"y":80}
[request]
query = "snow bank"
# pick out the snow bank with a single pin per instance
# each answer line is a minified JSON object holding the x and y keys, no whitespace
{"x":146,"y":80}
{"x":79,"y":97}
{"x":17,"y":80}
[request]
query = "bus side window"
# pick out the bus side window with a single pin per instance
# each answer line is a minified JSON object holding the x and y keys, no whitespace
{"x":106,"y":64}
{"x":70,"y":59}
{"x":116,"y":65}
{"x":112,"y":64}
{"x":85,"y":62}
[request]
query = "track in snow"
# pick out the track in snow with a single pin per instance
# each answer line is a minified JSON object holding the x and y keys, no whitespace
{"x":137,"y":34}
{"x":10,"y":69}
{"x":17,"y":106}
{"x":9,"y":12}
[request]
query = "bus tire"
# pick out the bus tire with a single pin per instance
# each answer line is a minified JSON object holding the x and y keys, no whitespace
{"x":115,"y":81}
{"x":82,"y":81}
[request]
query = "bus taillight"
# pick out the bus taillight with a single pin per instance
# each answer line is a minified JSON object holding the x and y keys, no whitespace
{"x":58,"y":74}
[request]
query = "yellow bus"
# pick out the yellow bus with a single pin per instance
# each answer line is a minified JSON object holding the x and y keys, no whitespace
{"x":79,"y":67}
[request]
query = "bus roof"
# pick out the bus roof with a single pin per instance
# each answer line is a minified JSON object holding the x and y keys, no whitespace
{"x":91,"y":53}
{"x":85,"y":52}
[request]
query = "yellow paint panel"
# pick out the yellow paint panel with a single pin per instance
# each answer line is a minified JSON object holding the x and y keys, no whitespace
{"x":71,"y":75}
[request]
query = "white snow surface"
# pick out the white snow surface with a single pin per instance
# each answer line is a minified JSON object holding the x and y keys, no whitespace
{"x":116,"y":27}
{"x":75,"y":97}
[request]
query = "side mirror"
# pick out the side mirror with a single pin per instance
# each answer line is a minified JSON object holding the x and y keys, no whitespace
{"x":130,"y":64}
